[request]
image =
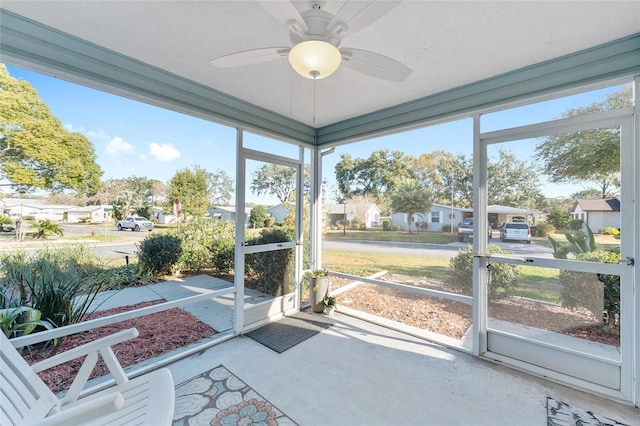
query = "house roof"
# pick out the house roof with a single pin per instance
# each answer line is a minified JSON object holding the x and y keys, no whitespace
{"x":599,"y":204}
{"x":495,"y":208}
{"x":458,"y":51}
{"x":230,"y":209}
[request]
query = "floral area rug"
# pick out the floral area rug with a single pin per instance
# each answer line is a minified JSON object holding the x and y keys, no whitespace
{"x":217,"y":397}
{"x":562,"y":414}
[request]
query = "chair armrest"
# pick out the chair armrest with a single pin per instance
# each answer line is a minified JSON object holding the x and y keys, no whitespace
{"x":92,"y":409}
{"x":97,"y":345}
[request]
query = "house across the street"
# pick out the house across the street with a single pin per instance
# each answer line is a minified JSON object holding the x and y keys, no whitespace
{"x":440,"y":215}
{"x":598,"y":213}
{"x":367,"y":213}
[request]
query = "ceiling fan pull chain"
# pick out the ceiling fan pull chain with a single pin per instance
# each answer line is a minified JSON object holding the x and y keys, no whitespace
{"x":314,"y":101}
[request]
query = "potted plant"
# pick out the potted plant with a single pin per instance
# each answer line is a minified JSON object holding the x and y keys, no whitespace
{"x":330,"y":304}
{"x":318,"y":288}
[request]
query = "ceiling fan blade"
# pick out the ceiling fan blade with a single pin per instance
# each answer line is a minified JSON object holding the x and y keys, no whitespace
{"x":358,"y":14}
{"x":375,"y":65}
{"x":286,"y":12}
{"x":247,"y":57}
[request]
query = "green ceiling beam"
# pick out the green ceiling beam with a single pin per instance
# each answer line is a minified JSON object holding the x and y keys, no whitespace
{"x":27,"y":43}
{"x":24,"y":42}
{"x":619,"y":58}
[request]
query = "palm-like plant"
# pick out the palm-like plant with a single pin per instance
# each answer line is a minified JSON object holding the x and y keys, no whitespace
{"x":47,"y":227}
{"x":5,"y":220}
{"x":410,"y":197}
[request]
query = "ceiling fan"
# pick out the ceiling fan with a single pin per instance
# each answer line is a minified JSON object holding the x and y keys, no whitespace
{"x":316,"y":36}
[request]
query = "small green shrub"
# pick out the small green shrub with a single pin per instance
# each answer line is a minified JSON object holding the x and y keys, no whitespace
{"x":395,"y":227}
{"x":609,"y":231}
{"x":575,"y":224}
{"x":595,"y":292}
{"x":503,"y":278}
{"x":544,"y":229}
{"x":158,"y":253}
{"x":258,"y":216}
{"x":273,"y":270}
{"x":446,"y":227}
{"x":125,"y":276}
{"x":386,"y":225}
{"x":195,"y":236}
{"x":223,"y":246}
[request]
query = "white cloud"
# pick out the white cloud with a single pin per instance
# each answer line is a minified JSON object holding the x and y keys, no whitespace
{"x":71,"y":128}
{"x":100,"y":134}
{"x":165,"y":152}
{"x":118,"y":146}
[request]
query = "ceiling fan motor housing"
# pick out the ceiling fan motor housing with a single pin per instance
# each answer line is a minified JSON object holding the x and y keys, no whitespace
{"x":317,"y":21}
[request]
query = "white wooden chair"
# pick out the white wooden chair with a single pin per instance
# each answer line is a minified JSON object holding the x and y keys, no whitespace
{"x":26,"y":400}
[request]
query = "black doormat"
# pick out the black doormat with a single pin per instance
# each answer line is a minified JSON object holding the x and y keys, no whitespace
{"x":289,"y":331}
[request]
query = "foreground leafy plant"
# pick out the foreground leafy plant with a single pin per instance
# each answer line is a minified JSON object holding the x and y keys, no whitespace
{"x":20,"y":321}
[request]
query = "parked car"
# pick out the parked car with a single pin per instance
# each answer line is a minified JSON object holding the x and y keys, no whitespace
{"x":515,"y":231}
{"x":465,"y":229}
{"x":134,"y":223}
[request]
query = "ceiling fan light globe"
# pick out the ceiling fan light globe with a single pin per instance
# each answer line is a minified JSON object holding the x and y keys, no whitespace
{"x":315,"y":59}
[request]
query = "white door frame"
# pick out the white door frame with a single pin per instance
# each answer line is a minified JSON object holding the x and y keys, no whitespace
{"x":582,"y":369}
{"x":272,"y":309}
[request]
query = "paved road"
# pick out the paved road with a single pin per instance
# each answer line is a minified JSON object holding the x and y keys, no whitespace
{"x":431,"y":250}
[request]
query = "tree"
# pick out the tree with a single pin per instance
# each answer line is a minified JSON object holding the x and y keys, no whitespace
{"x":589,"y":155}
{"x":410,"y":197}
{"x":436,"y":171}
{"x":221,"y":188}
{"x":590,"y":193}
{"x":512,"y":182}
{"x":359,"y":205}
{"x":375,"y":175}
{"x":258,"y":216}
{"x":193,"y":188}
{"x":37,"y":152}
{"x":109,"y":191}
{"x":278,"y":181}
{"x":559,"y":218}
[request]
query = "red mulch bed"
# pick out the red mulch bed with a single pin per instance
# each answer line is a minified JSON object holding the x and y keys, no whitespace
{"x":159,"y":333}
{"x":452,"y":318}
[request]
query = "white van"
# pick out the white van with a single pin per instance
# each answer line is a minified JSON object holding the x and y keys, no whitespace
{"x":515,"y":231}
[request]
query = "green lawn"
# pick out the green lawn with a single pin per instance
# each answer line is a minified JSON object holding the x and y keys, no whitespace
{"x":534,"y":282}
{"x":603,"y":242}
{"x":394,"y":236}
{"x":364,"y":264}
{"x":539,"y":283}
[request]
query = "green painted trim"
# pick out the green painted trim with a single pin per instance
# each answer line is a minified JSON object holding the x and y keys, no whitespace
{"x":44,"y":49}
{"x":611,"y":60}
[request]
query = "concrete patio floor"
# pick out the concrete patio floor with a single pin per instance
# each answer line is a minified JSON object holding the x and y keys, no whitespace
{"x":358,"y":373}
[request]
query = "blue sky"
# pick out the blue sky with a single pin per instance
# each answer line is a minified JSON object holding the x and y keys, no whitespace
{"x":135,"y":139}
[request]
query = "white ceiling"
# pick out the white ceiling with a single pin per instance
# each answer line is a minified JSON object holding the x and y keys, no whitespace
{"x":447,"y":44}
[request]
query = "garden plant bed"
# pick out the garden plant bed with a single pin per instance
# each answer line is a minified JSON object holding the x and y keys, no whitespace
{"x":451,"y":318}
{"x":159,"y":333}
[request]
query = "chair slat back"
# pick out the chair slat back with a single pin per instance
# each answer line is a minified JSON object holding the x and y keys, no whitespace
{"x":24,"y":397}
